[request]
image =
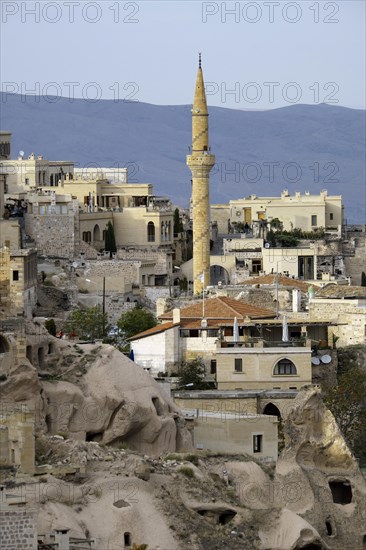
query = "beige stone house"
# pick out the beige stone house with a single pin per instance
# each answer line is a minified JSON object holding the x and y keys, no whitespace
{"x":306,"y":211}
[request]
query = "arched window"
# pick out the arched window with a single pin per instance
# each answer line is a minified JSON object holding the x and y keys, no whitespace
{"x":284,"y":367}
{"x":151,"y":232}
{"x":96,"y":233}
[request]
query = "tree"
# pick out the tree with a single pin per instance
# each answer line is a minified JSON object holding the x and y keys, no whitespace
{"x":178,"y":225}
{"x":51,"y":326}
{"x":192,"y":375}
{"x":136,"y":320}
{"x":110,"y":240}
{"x":88,"y":323}
{"x":347,"y":402}
{"x":363,"y":279}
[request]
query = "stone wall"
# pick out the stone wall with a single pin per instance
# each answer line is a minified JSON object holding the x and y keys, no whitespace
{"x":162,"y":258}
{"x":54,"y":234}
{"x":18,"y":528}
{"x":350,"y":318}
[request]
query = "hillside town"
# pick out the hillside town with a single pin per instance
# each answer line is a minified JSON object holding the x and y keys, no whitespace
{"x":172,"y":377}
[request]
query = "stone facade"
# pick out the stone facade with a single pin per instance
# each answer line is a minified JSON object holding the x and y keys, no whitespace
{"x":255,"y":368}
{"x":348,"y":317}
{"x":225,"y":432}
{"x":295,"y":211}
{"x":17,"y":439}
{"x":18,"y":528}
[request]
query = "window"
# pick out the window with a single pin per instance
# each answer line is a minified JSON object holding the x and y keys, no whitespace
{"x":15,"y":275}
{"x":331,"y":216}
{"x":151,"y":232}
{"x":314,"y":220}
{"x":213,"y":366}
{"x":284,"y":367}
{"x":341,"y":491}
{"x":257,"y":443}
{"x":26,"y":181}
{"x":238,"y":365}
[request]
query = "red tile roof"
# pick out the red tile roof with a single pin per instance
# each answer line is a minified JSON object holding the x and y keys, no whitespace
{"x":155,"y":330}
{"x":283,"y":280}
{"x":221,"y":309}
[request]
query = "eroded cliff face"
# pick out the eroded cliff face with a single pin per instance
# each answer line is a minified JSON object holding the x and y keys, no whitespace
{"x":115,"y":401}
{"x":319,"y":481}
{"x":101,"y":402}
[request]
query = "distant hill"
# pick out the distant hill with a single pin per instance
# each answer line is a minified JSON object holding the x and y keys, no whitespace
{"x":325,"y":143}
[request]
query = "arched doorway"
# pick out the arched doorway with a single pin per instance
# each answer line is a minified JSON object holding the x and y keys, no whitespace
{"x":272,"y":410}
{"x":40,"y":357}
{"x":219,"y":273}
{"x":4,"y":345}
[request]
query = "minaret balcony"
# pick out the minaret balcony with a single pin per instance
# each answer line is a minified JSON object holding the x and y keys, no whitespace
{"x":201,"y":158}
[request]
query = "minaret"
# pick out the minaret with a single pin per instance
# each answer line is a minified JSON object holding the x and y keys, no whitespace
{"x":200,"y":162}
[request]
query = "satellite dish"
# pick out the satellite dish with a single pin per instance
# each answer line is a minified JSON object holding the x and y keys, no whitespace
{"x":326,"y":359}
{"x":74,"y":265}
{"x":315,"y":360}
{"x":21,"y":153}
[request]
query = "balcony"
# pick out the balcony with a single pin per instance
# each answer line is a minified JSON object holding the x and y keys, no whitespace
{"x":260,"y":343}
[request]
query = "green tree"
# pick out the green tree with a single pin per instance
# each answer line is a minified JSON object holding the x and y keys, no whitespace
{"x":363,"y":279}
{"x":86,"y":323}
{"x":178,"y":225}
{"x":192,"y":374}
{"x":110,"y":240}
{"x":51,"y":326}
{"x":136,"y":320}
{"x":347,"y":402}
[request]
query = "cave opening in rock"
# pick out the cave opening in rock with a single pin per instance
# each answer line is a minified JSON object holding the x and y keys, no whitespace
{"x":29,"y":353}
{"x":98,"y":436}
{"x":364,"y":542}
{"x":341,"y":491}
{"x":329,"y":528}
{"x":226,"y":517}
{"x":311,"y":546}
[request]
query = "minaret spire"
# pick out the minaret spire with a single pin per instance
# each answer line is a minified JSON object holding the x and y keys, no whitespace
{"x":200,"y":163}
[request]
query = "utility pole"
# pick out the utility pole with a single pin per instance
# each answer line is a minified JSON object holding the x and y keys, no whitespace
{"x":103,"y":307}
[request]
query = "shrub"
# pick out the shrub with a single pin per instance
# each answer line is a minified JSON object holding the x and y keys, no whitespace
{"x":187,"y":471}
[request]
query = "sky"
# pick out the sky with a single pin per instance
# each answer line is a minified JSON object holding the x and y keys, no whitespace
{"x":255,"y":54}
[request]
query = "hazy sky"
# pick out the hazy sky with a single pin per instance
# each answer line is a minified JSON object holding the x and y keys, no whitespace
{"x":255,"y":54}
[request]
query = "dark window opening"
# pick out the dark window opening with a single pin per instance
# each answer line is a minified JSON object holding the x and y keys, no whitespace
{"x":29,"y":353}
{"x":4,"y":346}
{"x":213,"y":366}
{"x":257,"y":443}
{"x":51,"y":349}
{"x":238,"y":365}
{"x":127,"y":539}
{"x":15,"y":275}
{"x":364,"y":542}
{"x":331,"y":216}
{"x":284,"y":367}
{"x":150,"y":232}
{"x":40,"y":357}
{"x":329,"y":528}
{"x":341,"y":491}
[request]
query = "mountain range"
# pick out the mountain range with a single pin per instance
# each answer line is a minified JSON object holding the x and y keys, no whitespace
{"x":299,"y":147}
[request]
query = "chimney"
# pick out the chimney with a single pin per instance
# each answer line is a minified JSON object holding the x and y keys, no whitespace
{"x":296,"y":300}
{"x":176,"y":315}
{"x":62,"y":538}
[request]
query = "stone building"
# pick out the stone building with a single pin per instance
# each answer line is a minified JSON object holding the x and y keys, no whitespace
{"x":200,"y":162}
{"x":18,"y":523}
{"x":306,"y":212}
{"x":17,"y":448}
